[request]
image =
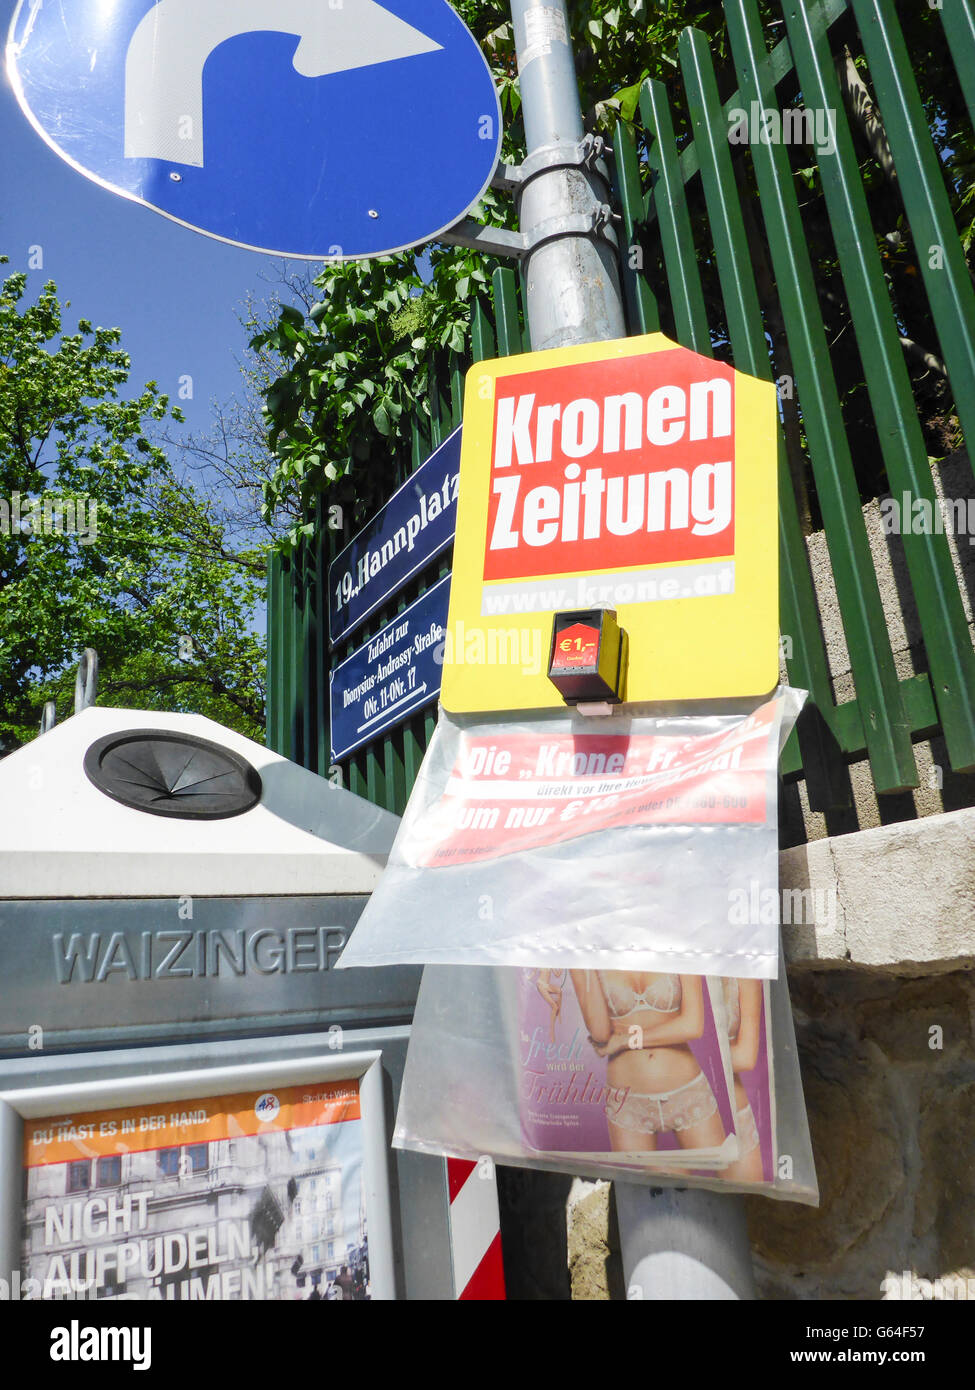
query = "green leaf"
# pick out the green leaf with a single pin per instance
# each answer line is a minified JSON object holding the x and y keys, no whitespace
{"x":629,"y":98}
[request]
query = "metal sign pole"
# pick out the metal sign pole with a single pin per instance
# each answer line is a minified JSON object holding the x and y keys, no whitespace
{"x":687,"y":1243}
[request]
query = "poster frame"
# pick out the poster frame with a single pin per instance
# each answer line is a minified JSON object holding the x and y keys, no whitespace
{"x":116,"y":1079}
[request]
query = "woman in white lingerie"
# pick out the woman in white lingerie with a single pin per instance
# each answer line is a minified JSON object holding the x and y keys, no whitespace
{"x":643,"y":1023}
{"x":743,"y":1005}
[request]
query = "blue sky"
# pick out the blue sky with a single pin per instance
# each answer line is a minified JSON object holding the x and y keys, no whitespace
{"x":172,"y":291}
{"x":285,"y":166}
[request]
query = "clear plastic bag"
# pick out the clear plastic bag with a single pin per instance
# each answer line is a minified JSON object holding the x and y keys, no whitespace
{"x":465,"y":1094}
{"x":560,"y":841}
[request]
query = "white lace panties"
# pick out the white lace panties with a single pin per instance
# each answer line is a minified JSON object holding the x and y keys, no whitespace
{"x":667,"y":1110}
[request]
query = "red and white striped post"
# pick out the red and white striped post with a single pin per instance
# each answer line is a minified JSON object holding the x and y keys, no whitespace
{"x":475,"y":1230}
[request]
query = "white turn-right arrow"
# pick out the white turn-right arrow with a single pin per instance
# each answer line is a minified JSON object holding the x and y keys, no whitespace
{"x":166,"y":56}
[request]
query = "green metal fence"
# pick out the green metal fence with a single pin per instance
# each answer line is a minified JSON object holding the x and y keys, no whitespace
{"x":695,"y":263}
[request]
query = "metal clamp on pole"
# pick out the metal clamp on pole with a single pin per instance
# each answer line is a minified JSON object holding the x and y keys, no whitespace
{"x":591,"y":215}
{"x":86,"y":680}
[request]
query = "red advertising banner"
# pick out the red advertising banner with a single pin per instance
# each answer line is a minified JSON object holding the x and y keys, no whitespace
{"x":513,"y":792}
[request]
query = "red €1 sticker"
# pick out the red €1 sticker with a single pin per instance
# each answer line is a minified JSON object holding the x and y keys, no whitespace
{"x":577,"y":645}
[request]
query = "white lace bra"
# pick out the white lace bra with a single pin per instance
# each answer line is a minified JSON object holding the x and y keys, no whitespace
{"x":662,"y":995}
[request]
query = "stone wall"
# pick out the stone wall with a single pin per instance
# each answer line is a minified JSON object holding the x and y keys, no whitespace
{"x":888,"y":1068}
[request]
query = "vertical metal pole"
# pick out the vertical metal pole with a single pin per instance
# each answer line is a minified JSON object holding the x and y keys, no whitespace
{"x":571,"y":274}
{"x":683,"y":1243}
{"x":676,"y":1243}
{"x":11,"y":1211}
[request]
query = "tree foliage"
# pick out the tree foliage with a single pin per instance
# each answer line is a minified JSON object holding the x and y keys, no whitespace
{"x":141,"y":572}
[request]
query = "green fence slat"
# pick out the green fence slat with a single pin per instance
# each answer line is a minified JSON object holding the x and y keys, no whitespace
{"x":356,"y":777}
{"x":456,"y":375}
{"x":413,"y":746}
{"x":721,"y":196}
{"x":298,"y":654}
{"x":958,"y":20}
{"x":944,"y":626}
{"x":375,"y":774}
{"x":680,"y":257}
{"x":437,"y":432}
{"x":922,"y":716}
{"x":933,"y":230}
{"x":272,"y":701}
{"x":506,"y":312}
{"x":874,"y":675}
{"x":281,"y":720}
{"x":827,"y":782}
{"x":284,"y":667}
{"x":482,"y":333}
{"x":393,"y":773}
{"x":419,"y":446}
{"x":288,"y":658}
{"x":521,"y":298}
{"x":309,"y":656}
{"x":642,"y":313}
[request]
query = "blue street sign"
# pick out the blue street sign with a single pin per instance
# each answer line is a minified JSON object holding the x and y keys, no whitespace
{"x":391,"y":676}
{"x":407,"y":532}
{"x":316,"y":128}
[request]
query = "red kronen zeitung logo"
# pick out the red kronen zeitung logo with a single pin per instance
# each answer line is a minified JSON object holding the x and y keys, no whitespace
{"x":612,"y":464}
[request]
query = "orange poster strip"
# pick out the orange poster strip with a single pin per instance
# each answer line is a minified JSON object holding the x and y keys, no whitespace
{"x":167,"y":1124}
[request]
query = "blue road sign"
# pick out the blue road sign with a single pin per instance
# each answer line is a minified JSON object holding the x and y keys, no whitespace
{"x":296,"y":127}
{"x":391,"y":676}
{"x":407,"y":532}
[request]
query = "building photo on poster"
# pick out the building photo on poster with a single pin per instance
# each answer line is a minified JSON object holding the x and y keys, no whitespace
{"x":252,"y":1196}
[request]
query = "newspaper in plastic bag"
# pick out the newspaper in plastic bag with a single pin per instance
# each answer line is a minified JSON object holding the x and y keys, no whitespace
{"x":703,"y":1090}
{"x":558,"y":841}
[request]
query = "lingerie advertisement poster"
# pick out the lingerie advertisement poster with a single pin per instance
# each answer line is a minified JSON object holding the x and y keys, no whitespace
{"x":256,"y":1196}
{"x":665,"y":1071}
